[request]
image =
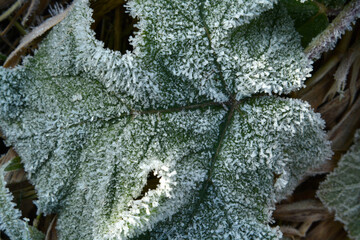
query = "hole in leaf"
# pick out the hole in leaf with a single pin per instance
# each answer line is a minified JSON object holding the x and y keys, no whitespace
{"x":24,"y":194}
{"x":152,"y":182}
{"x":276,"y":177}
{"x":3,"y":236}
{"x":113,"y":24}
{"x":3,"y":148}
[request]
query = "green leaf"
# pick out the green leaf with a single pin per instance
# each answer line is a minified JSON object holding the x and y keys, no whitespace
{"x":10,"y":221}
{"x":340,"y":192}
{"x":259,"y":143}
{"x":165,"y":142}
{"x":333,"y":3}
{"x":14,"y":164}
{"x":309,"y":19}
{"x":327,"y":39}
{"x":3,"y":57}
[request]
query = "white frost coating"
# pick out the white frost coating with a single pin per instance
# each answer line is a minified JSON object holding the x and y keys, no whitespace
{"x":264,"y":56}
{"x":278,"y":135}
{"x":177,"y":147}
{"x":172,"y":34}
{"x":186,"y":37}
{"x":11,"y":99}
{"x":223,"y":16}
{"x":328,"y":38}
{"x":140,"y":74}
{"x":10,"y":221}
{"x":90,"y":124}
{"x":267,"y":136}
{"x":341,"y":190}
{"x":36,"y":32}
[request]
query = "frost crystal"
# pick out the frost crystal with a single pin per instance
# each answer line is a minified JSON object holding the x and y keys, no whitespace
{"x":91,"y":124}
{"x":10,"y":221}
{"x":340,"y":192}
{"x":328,"y":38}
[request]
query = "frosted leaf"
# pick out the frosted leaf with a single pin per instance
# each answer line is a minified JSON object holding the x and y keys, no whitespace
{"x":11,"y":98}
{"x":35,"y":33}
{"x":176,"y":146}
{"x":264,"y":56}
{"x":173,"y":34}
{"x":186,"y":43}
{"x":91,"y":124}
{"x":225,"y":15}
{"x":340,"y":192}
{"x":328,"y":38}
{"x":210,"y":43}
{"x":278,"y":135}
{"x":267,"y":136}
{"x":144,"y":82}
{"x":10,"y":221}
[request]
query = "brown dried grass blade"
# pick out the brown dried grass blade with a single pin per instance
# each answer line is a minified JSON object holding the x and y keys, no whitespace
{"x":10,"y":10}
{"x":290,"y":231}
{"x":328,"y":38}
{"x":315,"y":94}
{"x":6,"y":3}
{"x":326,"y":167}
{"x":342,"y":71}
{"x":14,"y":57}
{"x":51,"y":233}
{"x":342,"y":134}
{"x":31,"y":9}
{"x":354,"y":81}
{"x":327,"y":67}
{"x":303,"y":229}
{"x":13,"y":20}
{"x":329,"y":230}
{"x":302,"y":211}
{"x":333,"y":110}
{"x":11,"y":154}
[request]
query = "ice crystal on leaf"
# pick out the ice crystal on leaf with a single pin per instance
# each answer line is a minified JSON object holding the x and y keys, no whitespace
{"x":9,"y":215}
{"x":90,"y":124}
{"x":340,"y":192}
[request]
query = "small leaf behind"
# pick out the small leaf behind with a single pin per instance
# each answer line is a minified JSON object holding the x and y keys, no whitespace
{"x":340,"y":192}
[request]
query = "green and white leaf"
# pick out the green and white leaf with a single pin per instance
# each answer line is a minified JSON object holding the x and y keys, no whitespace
{"x":10,"y":221}
{"x":340,"y":192}
{"x":90,"y":124}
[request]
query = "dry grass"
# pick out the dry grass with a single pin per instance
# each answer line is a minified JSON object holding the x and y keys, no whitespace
{"x":301,"y":216}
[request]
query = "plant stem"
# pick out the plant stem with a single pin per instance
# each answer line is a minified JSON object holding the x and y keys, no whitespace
{"x":8,"y":12}
{"x":328,"y":38}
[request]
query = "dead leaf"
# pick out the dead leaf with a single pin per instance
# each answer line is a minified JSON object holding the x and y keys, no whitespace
{"x":342,"y":71}
{"x":342,"y":134}
{"x":10,"y":10}
{"x":327,"y":230}
{"x":6,"y":3}
{"x":289,"y":231}
{"x":31,"y":9}
{"x":332,"y":111}
{"x":51,"y":233}
{"x":353,"y":86}
{"x":302,"y":211}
